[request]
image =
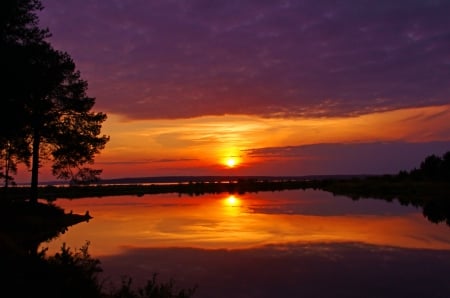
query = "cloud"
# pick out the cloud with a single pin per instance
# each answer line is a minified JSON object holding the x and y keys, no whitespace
{"x":177,"y":59}
{"x":143,"y":162}
{"x":350,"y":158}
{"x":176,"y":159}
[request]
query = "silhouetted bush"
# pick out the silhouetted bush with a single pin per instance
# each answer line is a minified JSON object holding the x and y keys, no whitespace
{"x":73,"y":274}
{"x":152,"y":289}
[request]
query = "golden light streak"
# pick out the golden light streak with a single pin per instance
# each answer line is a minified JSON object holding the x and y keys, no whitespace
{"x":145,"y":147}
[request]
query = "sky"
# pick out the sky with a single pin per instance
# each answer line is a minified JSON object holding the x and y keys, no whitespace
{"x":300,"y":87}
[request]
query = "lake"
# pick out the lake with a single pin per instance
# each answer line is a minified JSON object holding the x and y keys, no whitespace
{"x":297,"y":243}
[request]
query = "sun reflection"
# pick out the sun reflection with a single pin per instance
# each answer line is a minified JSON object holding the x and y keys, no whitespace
{"x":232,"y":201}
{"x":232,"y":206}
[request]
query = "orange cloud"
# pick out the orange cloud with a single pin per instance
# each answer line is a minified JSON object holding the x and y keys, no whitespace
{"x":206,"y":141}
{"x":199,"y":146}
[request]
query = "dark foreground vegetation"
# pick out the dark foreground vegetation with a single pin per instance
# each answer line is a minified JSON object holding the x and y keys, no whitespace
{"x":28,"y":272}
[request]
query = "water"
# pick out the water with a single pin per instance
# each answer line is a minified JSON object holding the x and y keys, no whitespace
{"x":270,"y":244}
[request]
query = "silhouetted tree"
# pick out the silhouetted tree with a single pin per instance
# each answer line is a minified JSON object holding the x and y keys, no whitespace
{"x":431,"y":166}
{"x":47,"y":98}
{"x":19,"y":23}
{"x":62,"y":125}
{"x":18,"y":30}
{"x":12,"y":151}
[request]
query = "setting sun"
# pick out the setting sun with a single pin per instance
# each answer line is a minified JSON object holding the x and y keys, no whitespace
{"x":231,"y":162}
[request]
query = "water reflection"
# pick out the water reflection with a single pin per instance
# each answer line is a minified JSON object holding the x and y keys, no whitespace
{"x":232,"y":201}
{"x":270,"y":244}
{"x":244,"y":221}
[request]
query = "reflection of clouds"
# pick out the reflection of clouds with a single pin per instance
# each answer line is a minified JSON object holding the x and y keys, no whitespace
{"x":348,"y":269}
{"x":267,"y":217}
{"x":359,"y":157}
{"x":184,"y":226}
{"x":339,"y":206}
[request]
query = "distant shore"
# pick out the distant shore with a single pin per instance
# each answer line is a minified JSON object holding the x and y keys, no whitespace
{"x":386,"y":186}
{"x":432,"y":196}
{"x":188,"y":179}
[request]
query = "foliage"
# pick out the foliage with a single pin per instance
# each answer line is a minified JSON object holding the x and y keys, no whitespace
{"x":24,"y":226}
{"x":73,"y":274}
{"x":77,"y":272}
{"x":18,"y":30}
{"x":19,"y":22}
{"x":152,"y":289}
{"x":433,"y":168}
{"x":67,"y":274}
{"x":12,"y":151}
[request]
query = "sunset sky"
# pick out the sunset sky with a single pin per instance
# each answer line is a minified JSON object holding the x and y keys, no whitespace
{"x":284,"y":87}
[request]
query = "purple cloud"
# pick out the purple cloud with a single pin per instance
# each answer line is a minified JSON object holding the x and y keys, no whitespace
{"x":170,"y":59}
{"x":352,"y":158}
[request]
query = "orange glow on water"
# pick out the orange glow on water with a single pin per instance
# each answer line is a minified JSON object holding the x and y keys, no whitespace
{"x":232,"y":222}
{"x":232,"y":201}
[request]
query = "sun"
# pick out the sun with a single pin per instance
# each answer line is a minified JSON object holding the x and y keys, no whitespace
{"x":231,"y":162}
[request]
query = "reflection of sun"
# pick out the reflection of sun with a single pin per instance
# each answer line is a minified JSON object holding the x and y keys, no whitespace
{"x":232,"y":201}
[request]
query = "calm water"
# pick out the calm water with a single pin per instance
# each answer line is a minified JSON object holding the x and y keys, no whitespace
{"x":270,"y":244}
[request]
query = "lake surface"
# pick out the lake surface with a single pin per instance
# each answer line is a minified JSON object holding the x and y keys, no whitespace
{"x":267,"y":244}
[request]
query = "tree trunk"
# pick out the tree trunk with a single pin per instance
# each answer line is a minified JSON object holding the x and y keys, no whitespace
{"x":35,"y":167}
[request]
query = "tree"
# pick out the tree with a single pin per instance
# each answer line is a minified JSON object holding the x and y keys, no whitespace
{"x":19,"y":22}
{"x":52,"y":114}
{"x":60,"y":123}
{"x":14,"y":150}
{"x":18,"y":29}
{"x":431,"y":166}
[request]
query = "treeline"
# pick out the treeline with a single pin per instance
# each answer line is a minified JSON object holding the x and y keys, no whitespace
{"x":431,"y":179}
{"x":426,"y":187}
{"x":239,"y":186}
{"x":432,"y":168}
